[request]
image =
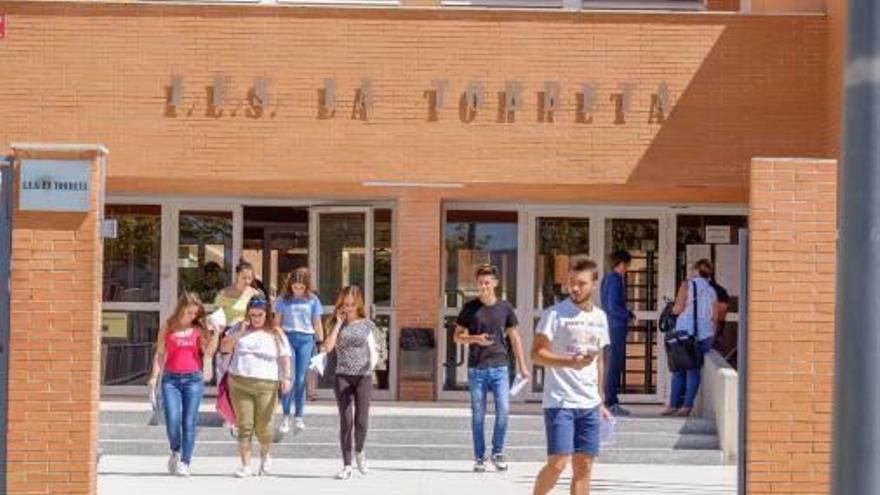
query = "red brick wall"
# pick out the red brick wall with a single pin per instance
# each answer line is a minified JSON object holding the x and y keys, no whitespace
{"x":741,"y":86}
{"x":791,"y":325}
{"x":54,"y":350}
{"x":418,"y":274}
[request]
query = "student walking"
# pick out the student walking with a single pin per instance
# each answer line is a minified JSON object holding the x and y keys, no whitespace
{"x":298,"y":312}
{"x":695,"y":305}
{"x":484,"y":325}
{"x":259,"y":367}
{"x":352,"y":338}
{"x":182,"y":344}
{"x":569,"y":343}
{"x":233,"y":301}
{"x":614,"y":303}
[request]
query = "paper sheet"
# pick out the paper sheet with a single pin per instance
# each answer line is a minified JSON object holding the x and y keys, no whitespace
{"x":318,"y":363}
{"x":606,"y":431}
{"x":727,"y":268}
{"x":519,"y":383}
{"x":217,"y":319}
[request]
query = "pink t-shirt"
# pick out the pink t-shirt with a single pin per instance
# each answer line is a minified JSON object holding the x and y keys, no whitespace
{"x":182,"y":352}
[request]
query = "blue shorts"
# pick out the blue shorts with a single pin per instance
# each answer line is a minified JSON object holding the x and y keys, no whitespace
{"x":572,"y":431}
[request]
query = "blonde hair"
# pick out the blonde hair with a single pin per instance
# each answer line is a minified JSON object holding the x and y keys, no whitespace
{"x":357,"y":294}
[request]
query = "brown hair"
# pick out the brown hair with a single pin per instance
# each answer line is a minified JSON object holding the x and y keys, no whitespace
{"x":297,"y":276}
{"x":704,"y":268}
{"x":186,"y":300}
{"x":583,"y":264}
{"x":486,"y":269}
{"x":353,"y":291}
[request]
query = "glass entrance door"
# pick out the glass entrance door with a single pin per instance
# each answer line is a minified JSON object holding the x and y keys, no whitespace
{"x":344,"y":251}
{"x":640,"y":237}
{"x":555,"y":238}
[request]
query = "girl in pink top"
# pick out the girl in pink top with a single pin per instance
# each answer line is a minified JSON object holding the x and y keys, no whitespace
{"x":182,"y":345}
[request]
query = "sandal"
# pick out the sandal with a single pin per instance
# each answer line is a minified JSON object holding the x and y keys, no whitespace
{"x":669,"y":411}
{"x":683,"y":412}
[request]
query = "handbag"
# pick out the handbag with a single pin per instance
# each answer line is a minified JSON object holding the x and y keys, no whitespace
{"x":682,"y":348}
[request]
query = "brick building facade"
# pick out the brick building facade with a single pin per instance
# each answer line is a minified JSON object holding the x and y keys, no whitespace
{"x":396,"y":147}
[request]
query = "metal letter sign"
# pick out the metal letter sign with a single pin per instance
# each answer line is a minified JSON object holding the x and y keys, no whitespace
{"x":55,"y":185}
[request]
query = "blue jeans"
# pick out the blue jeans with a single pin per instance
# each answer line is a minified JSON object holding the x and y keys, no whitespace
{"x":301,"y":346}
{"x":685,"y":384}
{"x":181,"y":397}
{"x":480,"y":381}
{"x":616,"y":362}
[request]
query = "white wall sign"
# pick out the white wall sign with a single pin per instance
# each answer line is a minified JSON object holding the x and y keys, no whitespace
{"x":717,"y":234}
{"x":55,"y":185}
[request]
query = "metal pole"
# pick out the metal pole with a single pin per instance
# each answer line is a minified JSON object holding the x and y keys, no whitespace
{"x":7,"y":178}
{"x":856,"y":451}
{"x":742,"y":359}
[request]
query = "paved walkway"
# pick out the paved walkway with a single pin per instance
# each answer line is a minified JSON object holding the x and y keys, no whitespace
{"x":147,"y":476}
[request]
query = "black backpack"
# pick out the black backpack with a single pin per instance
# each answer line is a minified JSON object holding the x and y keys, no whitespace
{"x":667,"y":318}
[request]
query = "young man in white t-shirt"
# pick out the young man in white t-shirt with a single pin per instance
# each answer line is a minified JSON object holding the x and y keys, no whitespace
{"x":568,"y":342}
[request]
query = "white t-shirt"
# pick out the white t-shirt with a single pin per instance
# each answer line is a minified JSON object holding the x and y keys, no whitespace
{"x":256,"y":355}
{"x":572,"y":331}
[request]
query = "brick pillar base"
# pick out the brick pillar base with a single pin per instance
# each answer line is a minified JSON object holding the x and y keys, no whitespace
{"x":791,"y":325}
{"x":418,"y":283}
{"x":54,"y":346}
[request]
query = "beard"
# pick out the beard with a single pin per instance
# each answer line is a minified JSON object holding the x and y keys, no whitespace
{"x":580,"y":299}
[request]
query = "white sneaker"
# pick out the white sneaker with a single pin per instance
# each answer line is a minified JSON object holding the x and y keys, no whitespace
{"x":265,"y":465}
{"x":344,"y":474}
{"x":173,"y":462}
{"x":244,"y":472}
{"x":284,"y":429}
{"x":298,"y":426}
{"x":361,"y":460}
{"x":182,"y":470}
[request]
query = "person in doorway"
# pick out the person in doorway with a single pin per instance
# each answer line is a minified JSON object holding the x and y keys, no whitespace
{"x":183,"y":342}
{"x":614,"y":303}
{"x":298,"y":312}
{"x":352,"y":337}
{"x":484,"y":325}
{"x":259,"y":367}
{"x":695,"y":305}
{"x":724,"y":340}
{"x":569,"y":343}
{"x":233,"y":300}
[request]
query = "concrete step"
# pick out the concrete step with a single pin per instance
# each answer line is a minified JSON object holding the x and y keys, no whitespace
{"x":400,"y":436}
{"x":455,"y":421}
{"x":382,"y":451}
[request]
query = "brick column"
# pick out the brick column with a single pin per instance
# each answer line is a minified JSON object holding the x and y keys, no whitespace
{"x":791,"y":325}
{"x":54,"y":345}
{"x":419,"y":242}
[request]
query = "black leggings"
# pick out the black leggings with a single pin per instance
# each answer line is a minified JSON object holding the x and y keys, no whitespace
{"x":356,"y":389}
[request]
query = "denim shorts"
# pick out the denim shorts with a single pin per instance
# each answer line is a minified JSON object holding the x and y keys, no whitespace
{"x":572,"y":431}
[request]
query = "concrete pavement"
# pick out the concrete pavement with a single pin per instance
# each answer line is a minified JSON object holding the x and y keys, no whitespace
{"x":142,"y":475}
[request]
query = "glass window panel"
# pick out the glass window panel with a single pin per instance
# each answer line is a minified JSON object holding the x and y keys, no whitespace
{"x":132,"y":260}
{"x":204,"y":263}
{"x":342,"y":245}
{"x":382,"y":258}
{"x":641,"y":239}
{"x":128,"y":338}
{"x":559,"y":240}
{"x":473,"y":238}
